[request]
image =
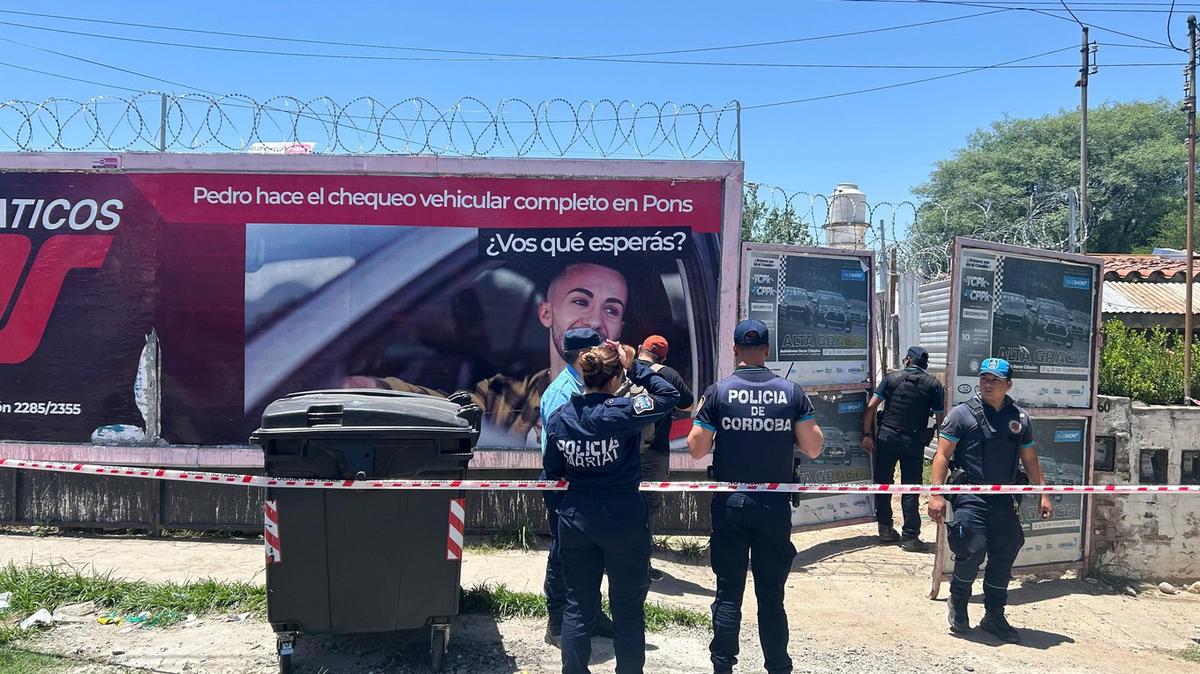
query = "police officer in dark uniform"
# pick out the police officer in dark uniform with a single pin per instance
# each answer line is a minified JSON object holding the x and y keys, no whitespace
{"x":982,"y":441}
{"x":756,"y":420}
{"x":910,"y":397}
{"x":594,"y":441}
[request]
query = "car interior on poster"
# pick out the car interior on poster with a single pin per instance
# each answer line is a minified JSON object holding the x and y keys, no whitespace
{"x":1038,"y":314}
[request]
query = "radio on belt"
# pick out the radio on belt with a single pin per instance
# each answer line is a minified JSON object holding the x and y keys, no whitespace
{"x":346,"y":561}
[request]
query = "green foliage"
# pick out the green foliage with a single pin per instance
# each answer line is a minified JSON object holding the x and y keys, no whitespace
{"x":16,"y":661}
{"x":770,"y":223}
{"x":34,"y":588}
{"x":1137,"y":174}
{"x":1145,"y":365}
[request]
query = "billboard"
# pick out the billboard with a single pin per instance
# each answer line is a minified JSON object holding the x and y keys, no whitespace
{"x":842,"y":460}
{"x":818,"y":305}
{"x":1062,"y":450}
{"x":1036,"y":312}
{"x":256,"y":283}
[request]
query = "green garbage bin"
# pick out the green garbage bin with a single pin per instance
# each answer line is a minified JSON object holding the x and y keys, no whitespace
{"x":348,"y":561}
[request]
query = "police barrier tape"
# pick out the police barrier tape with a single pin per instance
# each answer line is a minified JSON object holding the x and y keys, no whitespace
{"x":560,"y":485}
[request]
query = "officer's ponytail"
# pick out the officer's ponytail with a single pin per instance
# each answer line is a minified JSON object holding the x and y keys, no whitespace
{"x":599,"y":365}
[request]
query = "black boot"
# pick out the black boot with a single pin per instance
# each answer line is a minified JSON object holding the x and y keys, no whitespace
{"x":554,"y":632}
{"x":888,"y":534}
{"x":956,"y":614}
{"x":995,"y":623}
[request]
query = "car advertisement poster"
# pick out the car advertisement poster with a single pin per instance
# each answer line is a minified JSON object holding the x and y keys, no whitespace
{"x":843,"y":460}
{"x":818,"y":309}
{"x":1038,"y":314}
{"x":1061,"y":444}
{"x":257,"y":285}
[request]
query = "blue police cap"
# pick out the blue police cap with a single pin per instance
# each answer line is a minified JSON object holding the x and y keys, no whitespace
{"x":578,"y":339}
{"x":751,"y":332}
{"x":995,"y":366}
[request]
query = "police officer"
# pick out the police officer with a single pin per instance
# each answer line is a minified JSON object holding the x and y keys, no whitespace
{"x":912,"y":395}
{"x":568,"y":383}
{"x":983,"y":440}
{"x":594,"y":441}
{"x":756,"y":420}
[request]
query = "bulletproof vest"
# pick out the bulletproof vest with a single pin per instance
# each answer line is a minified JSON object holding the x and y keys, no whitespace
{"x":994,"y":460}
{"x":755,"y":430}
{"x":907,"y":407}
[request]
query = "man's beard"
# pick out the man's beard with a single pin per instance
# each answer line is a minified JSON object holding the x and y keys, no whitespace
{"x":557,"y":337}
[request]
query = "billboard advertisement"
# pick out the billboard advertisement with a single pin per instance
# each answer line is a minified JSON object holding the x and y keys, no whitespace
{"x":1062,"y":450}
{"x":818,"y":306}
{"x":1037,"y":313}
{"x":259,"y":284}
{"x":843,"y":460}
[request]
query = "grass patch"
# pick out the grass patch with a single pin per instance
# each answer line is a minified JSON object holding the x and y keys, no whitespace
{"x":1191,"y":654}
{"x":50,"y":587}
{"x":685,"y":549}
{"x":524,"y":539}
{"x":16,"y":661}
{"x":500,"y":602}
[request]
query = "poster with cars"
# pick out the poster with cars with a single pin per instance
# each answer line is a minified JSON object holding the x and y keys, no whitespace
{"x":256,"y":284}
{"x":1036,"y":313}
{"x":1061,"y":444}
{"x":842,"y":460}
{"x":817,"y":305}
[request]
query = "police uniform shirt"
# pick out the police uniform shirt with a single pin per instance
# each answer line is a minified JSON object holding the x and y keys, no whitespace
{"x":754,"y":415}
{"x":594,"y":441}
{"x":927,"y":386}
{"x":960,"y":427}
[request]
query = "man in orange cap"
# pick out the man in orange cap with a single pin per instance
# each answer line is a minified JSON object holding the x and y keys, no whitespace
{"x":656,"y":456}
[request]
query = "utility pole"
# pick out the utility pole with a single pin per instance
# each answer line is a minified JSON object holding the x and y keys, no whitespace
{"x":1190,"y":106}
{"x":1085,"y":68}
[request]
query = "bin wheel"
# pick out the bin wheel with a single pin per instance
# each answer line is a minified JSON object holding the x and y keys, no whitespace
{"x":439,"y":638}
{"x":285,"y":645}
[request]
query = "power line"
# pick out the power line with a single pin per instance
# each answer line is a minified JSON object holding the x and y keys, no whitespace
{"x":904,"y":84}
{"x":501,"y":55}
{"x":1034,"y":10}
{"x":727,"y":64}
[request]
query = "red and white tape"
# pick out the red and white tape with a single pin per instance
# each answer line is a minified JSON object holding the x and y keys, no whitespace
{"x":458,"y":523}
{"x":271,"y":532}
{"x":560,"y":485}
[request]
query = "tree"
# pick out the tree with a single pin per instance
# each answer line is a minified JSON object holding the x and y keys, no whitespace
{"x":764,"y":222}
{"x":1010,"y":181}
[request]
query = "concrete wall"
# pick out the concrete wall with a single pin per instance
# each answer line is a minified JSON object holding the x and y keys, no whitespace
{"x":1153,"y":537}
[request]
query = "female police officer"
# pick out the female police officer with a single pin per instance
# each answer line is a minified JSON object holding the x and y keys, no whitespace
{"x":593,"y":441}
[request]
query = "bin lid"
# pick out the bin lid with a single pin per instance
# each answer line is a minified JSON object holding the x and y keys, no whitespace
{"x":369,"y":412}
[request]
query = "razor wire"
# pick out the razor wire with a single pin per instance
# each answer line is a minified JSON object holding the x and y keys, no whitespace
{"x":920,"y":233}
{"x":193,"y":122}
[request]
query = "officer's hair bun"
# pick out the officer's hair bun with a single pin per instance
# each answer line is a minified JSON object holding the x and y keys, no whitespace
{"x":599,"y":365}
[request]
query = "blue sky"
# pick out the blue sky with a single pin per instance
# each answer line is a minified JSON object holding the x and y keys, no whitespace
{"x":886,"y":141}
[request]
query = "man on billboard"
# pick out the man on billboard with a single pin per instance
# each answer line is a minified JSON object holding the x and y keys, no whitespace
{"x":582,"y":295}
{"x":983,"y":441}
{"x":910,"y":397}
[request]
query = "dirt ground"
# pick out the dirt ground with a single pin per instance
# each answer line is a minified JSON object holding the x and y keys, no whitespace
{"x":853,"y":606}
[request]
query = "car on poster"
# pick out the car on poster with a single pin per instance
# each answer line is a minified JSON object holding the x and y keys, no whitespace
{"x":1035,"y":311}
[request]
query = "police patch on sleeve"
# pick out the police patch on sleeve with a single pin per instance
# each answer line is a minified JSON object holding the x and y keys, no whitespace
{"x":642,"y":403}
{"x":1014,"y":426}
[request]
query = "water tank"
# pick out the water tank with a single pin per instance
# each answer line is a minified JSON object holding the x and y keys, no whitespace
{"x":846,"y":224}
